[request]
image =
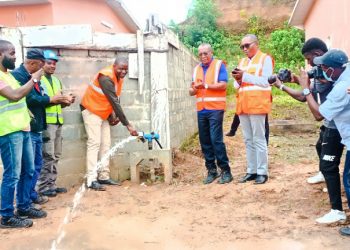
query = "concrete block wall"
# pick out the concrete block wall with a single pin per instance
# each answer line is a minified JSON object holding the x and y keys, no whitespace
{"x":182,"y":106}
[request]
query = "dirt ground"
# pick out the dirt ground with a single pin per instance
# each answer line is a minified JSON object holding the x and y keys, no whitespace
{"x":189,"y":215}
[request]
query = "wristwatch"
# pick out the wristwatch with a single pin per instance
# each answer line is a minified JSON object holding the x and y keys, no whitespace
{"x":35,"y":80}
{"x":282,"y":87}
{"x":306,"y":92}
{"x":206,"y":86}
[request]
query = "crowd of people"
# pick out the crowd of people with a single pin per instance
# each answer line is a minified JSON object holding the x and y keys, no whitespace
{"x":325,"y":88}
{"x":31,"y":120}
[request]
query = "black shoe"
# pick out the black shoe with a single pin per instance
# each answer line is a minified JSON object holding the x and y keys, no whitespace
{"x":345,"y":231}
{"x":226,"y":177}
{"x":231,"y":134}
{"x":61,"y":190}
{"x":261,"y":179}
{"x":49,"y":193}
{"x":41,"y":199}
{"x":248,"y":177}
{"x":32,"y":213}
{"x":212,"y":175}
{"x":97,"y":186}
{"x":15,"y":222}
{"x":109,"y":182}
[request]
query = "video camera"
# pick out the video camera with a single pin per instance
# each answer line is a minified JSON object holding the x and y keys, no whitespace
{"x":284,"y":75}
{"x":315,"y":73}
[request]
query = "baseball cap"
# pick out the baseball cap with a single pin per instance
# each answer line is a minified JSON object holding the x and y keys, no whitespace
{"x":50,"y":55}
{"x":36,"y":54}
{"x":335,"y":58}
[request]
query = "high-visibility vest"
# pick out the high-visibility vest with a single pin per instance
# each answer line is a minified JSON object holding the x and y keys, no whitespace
{"x":208,"y":98}
{"x":253,"y":99}
{"x":53,"y":112}
{"x":95,"y":100}
{"x":14,"y":116}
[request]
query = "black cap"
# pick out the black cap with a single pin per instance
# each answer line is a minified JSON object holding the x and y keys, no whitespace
{"x":37,"y":54}
{"x":334,"y":58}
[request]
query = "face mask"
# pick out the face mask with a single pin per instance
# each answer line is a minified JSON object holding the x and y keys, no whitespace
{"x":8,"y":63}
{"x":328,"y":78}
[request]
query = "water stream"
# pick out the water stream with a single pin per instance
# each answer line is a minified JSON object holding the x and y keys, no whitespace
{"x":79,"y":194}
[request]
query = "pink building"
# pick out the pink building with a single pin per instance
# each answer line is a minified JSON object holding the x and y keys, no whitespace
{"x":326,"y":19}
{"x":104,"y":15}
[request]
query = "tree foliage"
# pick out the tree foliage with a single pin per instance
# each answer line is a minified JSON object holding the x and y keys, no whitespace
{"x":284,"y":43}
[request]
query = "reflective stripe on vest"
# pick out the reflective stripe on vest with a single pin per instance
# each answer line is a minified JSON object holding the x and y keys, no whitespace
{"x":211,"y":99}
{"x":14,"y":116}
{"x":207,"y":98}
{"x":54,"y":112}
{"x":253,"y":99}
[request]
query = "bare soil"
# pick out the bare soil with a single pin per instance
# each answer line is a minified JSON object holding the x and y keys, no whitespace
{"x":189,"y":215}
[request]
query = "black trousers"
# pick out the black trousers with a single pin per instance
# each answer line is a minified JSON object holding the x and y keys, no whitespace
{"x":330,"y":150}
{"x":236,"y":122}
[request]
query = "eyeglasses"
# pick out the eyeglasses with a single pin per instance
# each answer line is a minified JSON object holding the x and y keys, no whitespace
{"x":203,"y":54}
{"x":247,"y":45}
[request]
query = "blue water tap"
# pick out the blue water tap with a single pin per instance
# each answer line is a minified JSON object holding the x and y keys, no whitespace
{"x":149,"y":137}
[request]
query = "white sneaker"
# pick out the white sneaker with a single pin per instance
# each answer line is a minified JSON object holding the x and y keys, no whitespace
{"x":331,"y":217}
{"x":318,"y":178}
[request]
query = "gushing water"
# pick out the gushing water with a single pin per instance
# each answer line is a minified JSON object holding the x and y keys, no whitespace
{"x":79,"y":194}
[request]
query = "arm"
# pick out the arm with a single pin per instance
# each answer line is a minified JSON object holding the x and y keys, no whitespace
{"x":296,"y":94}
{"x":18,"y":94}
{"x":313,"y":105}
{"x":260,"y":80}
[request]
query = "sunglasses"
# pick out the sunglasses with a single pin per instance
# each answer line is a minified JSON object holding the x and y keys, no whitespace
{"x":245,"y":46}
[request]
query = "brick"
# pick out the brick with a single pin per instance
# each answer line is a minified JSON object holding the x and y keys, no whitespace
{"x":73,"y":53}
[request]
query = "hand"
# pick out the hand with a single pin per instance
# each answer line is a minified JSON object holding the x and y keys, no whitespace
{"x":237,"y":74}
{"x":304,"y":79}
{"x":71,"y":98}
{"x":59,"y":99}
{"x":199,"y":85}
{"x":132,"y":131}
{"x":277,"y":83}
{"x":113,"y":119}
{"x":38,"y":74}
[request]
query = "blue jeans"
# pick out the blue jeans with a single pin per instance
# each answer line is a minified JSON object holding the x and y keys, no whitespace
{"x":37,"y":141}
{"x":211,"y":140}
{"x":17,"y":158}
{"x":346,"y":176}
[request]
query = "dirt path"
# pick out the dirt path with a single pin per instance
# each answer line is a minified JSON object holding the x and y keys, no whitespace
{"x":189,"y":215}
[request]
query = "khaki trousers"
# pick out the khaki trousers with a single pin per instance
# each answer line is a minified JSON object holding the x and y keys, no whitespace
{"x":98,"y":143}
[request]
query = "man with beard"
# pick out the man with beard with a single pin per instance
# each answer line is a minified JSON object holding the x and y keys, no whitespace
{"x":15,"y":144}
{"x":101,"y":108}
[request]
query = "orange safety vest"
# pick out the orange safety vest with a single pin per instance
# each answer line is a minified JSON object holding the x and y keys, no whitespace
{"x":95,"y":100}
{"x":208,"y":98}
{"x":253,"y":99}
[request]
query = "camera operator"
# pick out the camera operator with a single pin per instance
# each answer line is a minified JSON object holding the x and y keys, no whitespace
{"x":336,"y":107}
{"x":328,"y":146}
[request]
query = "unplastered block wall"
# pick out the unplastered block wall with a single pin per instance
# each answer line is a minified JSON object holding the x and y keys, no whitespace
{"x":182,"y":107}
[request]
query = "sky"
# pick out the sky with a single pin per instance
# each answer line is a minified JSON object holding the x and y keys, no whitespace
{"x":166,"y":10}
